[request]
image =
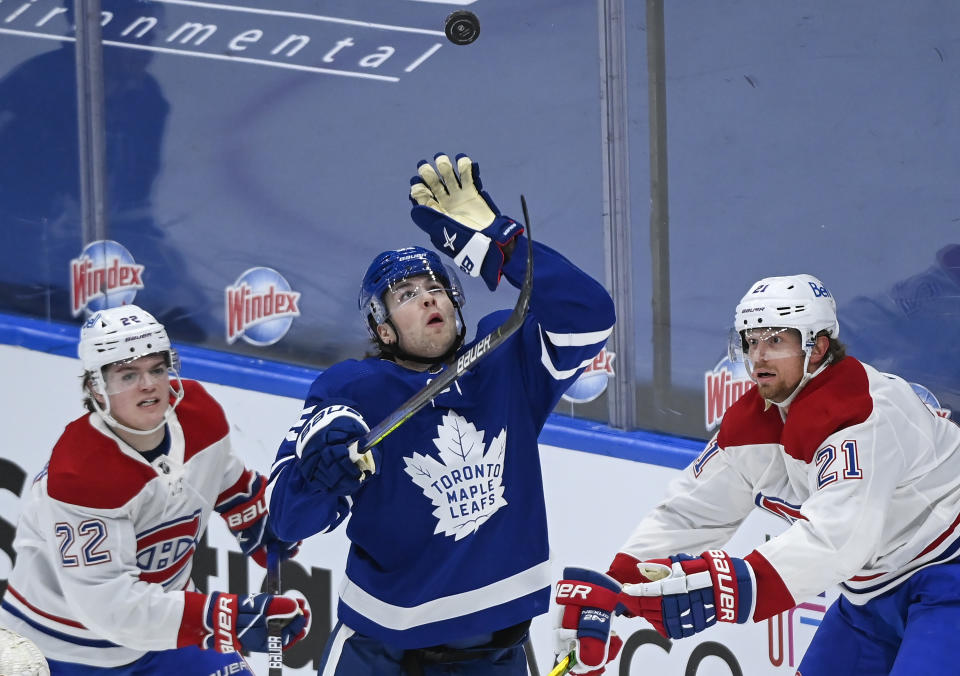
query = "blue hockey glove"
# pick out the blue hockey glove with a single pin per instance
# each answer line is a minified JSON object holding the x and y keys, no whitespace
{"x":327,"y":451}
{"x":236,"y":623}
{"x":586,"y":600}
{"x":460,"y":218}
{"x":689,"y":594}
{"x":244,"y":508}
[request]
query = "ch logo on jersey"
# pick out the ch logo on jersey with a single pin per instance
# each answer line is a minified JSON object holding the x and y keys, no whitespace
{"x":466,"y":483}
{"x":164,"y":551}
{"x":778,"y":507}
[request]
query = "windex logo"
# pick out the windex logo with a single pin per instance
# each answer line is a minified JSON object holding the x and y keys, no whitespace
{"x":260,"y":307}
{"x":593,"y":381}
{"x":724,"y":385}
{"x":104,"y":275}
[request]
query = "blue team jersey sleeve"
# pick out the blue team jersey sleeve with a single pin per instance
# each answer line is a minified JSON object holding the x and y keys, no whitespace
{"x":298,"y":511}
{"x":570,"y":319}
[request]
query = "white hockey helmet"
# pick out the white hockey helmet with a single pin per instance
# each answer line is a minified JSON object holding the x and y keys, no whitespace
{"x":799,"y":302}
{"x":122,"y":334}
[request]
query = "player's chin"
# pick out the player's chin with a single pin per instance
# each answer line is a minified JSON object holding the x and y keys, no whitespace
{"x":438,"y":347}
{"x":772,"y":392}
{"x":150,"y":418}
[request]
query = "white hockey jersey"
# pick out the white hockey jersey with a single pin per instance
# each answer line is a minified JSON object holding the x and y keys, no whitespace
{"x":868,"y":476}
{"x":105,"y":541}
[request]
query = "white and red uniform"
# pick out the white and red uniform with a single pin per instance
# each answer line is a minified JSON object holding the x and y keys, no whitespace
{"x":105,"y":541}
{"x":867,"y":474}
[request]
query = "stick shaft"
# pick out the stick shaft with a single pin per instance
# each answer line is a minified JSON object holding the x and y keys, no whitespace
{"x":274,"y":630}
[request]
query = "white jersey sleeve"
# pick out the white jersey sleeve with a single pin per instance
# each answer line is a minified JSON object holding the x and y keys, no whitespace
{"x":703,"y":506}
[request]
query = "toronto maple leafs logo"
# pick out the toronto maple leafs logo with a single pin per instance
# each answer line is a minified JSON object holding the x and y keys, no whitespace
{"x":466,"y":483}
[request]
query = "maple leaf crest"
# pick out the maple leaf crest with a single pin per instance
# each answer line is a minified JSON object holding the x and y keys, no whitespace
{"x":466,"y":483}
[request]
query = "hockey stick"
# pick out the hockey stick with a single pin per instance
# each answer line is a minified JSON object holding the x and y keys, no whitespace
{"x":532,"y":668}
{"x":564,"y":666}
{"x":274,"y":627}
{"x":567,"y":663}
{"x":465,"y":362}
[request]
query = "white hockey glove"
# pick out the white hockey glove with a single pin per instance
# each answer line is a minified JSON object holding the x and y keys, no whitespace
{"x":460,"y":218}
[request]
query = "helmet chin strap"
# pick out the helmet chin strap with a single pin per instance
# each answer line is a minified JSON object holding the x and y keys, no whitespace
{"x":105,"y":415}
{"x":807,"y":377}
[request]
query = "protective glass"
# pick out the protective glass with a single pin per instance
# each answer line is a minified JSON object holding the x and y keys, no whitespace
{"x":764,"y":344}
{"x":127,"y":375}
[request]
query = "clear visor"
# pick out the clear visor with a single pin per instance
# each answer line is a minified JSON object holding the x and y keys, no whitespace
{"x":766,"y":344}
{"x":415,"y":289}
{"x":142,"y":372}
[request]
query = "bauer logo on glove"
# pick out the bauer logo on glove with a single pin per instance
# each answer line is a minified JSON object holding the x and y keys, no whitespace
{"x":462,"y":221}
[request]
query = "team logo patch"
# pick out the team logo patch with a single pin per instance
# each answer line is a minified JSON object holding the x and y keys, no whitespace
{"x":261,"y":306}
{"x":103,"y":276}
{"x":593,"y":381}
{"x":466,"y":483}
{"x":165,"y":550}
{"x":727,"y":382}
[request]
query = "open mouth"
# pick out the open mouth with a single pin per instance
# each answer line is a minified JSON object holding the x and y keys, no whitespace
{"x":435,"y":318}
{"x":148,"y":402}
{"x":763,"y":375}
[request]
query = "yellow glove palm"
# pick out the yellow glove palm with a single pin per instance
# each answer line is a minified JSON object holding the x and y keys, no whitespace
{"x":452,"y":193}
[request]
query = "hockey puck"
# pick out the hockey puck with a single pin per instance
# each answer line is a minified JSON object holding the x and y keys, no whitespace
{"x":462,"y":27}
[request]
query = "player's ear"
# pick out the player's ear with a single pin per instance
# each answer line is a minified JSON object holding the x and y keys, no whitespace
{"x":90,"y":391}
{"x":385,"y":331}
{"x":96,"y":396}
{"x":819,"y":351}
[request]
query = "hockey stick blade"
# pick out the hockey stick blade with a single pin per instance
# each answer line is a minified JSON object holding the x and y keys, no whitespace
{"x":564,"y":666}
{"x":466,"y":361}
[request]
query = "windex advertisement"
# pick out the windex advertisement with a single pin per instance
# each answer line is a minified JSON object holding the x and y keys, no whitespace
{"x":104,"y":275}
{"x":260,"y":307}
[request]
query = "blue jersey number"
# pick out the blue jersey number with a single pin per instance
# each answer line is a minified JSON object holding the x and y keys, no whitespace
{"x":93,"y":532}
{"x":825,"y":457}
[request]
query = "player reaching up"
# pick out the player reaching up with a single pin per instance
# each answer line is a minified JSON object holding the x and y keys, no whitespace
{"x":108,"y":529}
{"x":863,"y":471}
{"x":449,"y":559}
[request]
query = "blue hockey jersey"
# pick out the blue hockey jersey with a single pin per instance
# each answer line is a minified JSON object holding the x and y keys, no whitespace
{"x":449,"y":540}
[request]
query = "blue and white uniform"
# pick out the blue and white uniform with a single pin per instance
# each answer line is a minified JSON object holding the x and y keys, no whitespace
{"x":449,"y":541}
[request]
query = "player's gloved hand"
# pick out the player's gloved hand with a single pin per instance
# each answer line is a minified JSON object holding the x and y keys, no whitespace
{"x":327,"y":451}
{"x":451,"y":206}
{"x":243,"y":507}
{"x":586,"y":600}
{"x":693,"y":593}
{"x":237,"y":623}
{"x":257,"y":549}
{"x":627,"y":569}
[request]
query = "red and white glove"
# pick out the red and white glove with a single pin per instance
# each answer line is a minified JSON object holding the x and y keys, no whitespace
{"x":234,"y":623}
{"x":689,"y":594}
{"x":243,"y":507}
{"x":586,"y":599}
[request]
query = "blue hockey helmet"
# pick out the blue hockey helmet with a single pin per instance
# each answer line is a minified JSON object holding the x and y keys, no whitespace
{"x":392,"y":267}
